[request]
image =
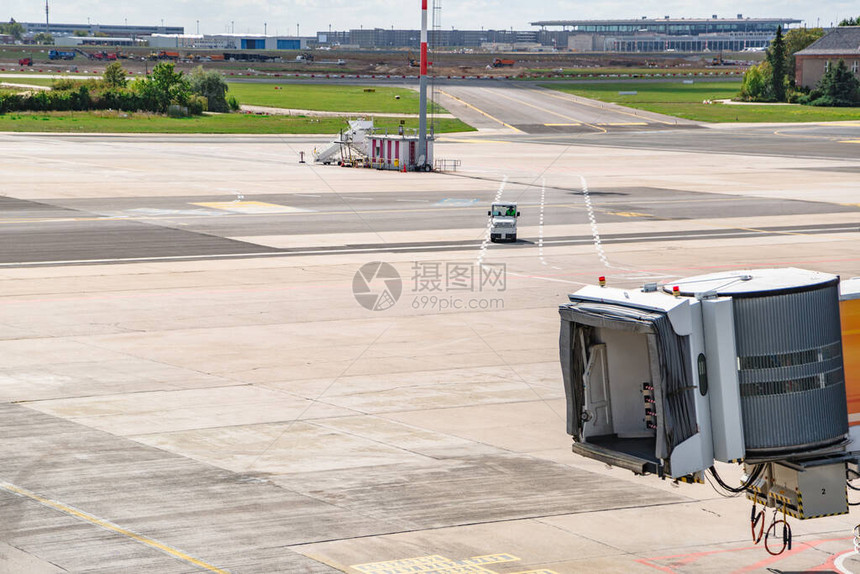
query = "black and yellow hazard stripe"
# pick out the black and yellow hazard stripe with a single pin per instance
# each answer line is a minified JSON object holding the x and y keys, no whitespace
{"x":796,"y":510}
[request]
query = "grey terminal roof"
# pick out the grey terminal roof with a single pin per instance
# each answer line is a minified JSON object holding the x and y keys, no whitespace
{"x":838,"y":41}
{"x":686,"y":25}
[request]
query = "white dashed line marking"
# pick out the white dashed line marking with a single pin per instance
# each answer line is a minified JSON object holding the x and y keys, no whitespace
{"x":594,"y":233}
{"x":486,"y":241}
{"x":540,"y":227}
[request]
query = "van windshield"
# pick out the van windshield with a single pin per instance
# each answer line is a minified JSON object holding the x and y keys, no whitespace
{"x":504,"y":210}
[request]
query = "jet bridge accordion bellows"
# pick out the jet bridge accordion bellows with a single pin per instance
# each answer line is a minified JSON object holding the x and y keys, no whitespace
{"x":789,"y":352}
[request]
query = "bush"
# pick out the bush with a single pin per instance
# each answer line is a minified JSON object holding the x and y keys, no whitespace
{"x":211,"y":86}
{"x":163,"y":88}
{"x":11,"y":103}
{"x":64,"y":84}
{"x":115,"y":75}
{"x":197,"y":105}
{"x":757,"y":84}
{"x":120,"y":99}
{"x":233,"y":103}
{"x":838,"y":87}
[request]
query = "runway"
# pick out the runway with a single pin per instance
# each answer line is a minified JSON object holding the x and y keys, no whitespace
{"x":156,"y":228}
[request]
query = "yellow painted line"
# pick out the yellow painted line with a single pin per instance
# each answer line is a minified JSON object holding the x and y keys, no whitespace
{"x":629,"y":214}
{"x":850,"y":141}
{"x":438,"y":564}
{"x":561,"y":125}
{"x":521,"y":102}
{"x":107,"y":525}
{"x":469,"y":140}
{"x":576,"y":100}
{"x":626,"y":124}
{"x":480,"y":111}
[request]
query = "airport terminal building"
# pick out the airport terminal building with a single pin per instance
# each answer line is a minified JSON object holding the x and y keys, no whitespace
{"x":98,"y":30}
{"x":670,"y":34}
{"x":635,"y":35}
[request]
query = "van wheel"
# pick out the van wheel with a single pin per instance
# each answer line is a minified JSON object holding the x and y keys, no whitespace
{"x":514,"y":238}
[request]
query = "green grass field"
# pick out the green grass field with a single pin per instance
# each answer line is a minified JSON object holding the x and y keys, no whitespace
{"x":112,"y":122}
{"x":329,"y":98}
{"x":685,"y":101}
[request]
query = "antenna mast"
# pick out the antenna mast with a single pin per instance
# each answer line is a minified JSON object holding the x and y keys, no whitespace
{"x":422,"y":91}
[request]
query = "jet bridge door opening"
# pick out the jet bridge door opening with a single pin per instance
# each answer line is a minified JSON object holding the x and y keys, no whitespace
{"x":627,"y":404}
{"x":596,"y":381}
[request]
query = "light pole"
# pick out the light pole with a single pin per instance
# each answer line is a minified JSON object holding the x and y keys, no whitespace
{"x":198,"y":27}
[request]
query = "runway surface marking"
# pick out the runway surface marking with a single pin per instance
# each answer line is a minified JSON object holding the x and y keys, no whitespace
{"x":486,"y":241}
{"x":730,"y":232}
{"x":250,"y":207}
{"x":480,"y":111}
{"x":438,"y":564}
{"x":592,"y":104}
{"x":439,"y":206}
{"x":540,"y":227}
{"x":593,"y":221}
{"x":110,"y":526}
{"x":549,"y":111}
{"x":678,"y":562}
{"x":455,"y":202}
{"x":443,"y":139}
{"x":629,"y":214}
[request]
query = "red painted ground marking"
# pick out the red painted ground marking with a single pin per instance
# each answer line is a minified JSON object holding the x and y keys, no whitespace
{"x":830,"y":565}
{"x":800,"y":548}
{"x":680,"y":560}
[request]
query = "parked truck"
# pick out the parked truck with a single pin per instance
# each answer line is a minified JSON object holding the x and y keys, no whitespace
{"x":58,"y":55}
{"x":25,"y":61}
{"x":500,"y":63}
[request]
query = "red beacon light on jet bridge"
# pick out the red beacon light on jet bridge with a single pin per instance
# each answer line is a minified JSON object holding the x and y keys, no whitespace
{"x":676,"y":291}
{"x":602,"y":281}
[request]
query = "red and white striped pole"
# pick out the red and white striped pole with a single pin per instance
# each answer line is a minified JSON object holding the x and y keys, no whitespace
{"x":422,"y":92}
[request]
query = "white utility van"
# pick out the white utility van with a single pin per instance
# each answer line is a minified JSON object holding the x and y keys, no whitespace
{"x":503,"y":221}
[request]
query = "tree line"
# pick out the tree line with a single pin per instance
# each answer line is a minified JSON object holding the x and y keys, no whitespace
{"x":165,"y":91}
{"x":774,"y":79}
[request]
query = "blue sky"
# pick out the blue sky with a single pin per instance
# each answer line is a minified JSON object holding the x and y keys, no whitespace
{"x":316,"y":15}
